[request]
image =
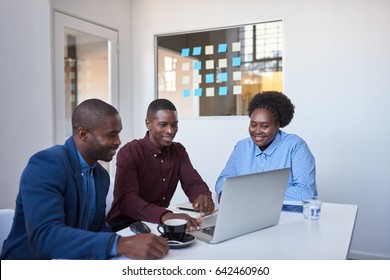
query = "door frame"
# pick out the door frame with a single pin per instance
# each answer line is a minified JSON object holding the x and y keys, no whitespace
{"x":62,"y":21}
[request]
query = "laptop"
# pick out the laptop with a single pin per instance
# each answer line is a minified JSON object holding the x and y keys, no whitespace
{"x":248,"y":203}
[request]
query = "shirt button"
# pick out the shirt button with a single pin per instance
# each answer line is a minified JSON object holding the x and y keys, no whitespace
{"x":164,"y":179}
{"x":155,"y":155}
{"x":164,"y":198}
{"x":162,"y":161}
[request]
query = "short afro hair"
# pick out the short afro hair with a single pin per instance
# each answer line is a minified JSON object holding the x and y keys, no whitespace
{"x":276,"y":102}
{"x":90,"y":114}
{"x":157,"y":105}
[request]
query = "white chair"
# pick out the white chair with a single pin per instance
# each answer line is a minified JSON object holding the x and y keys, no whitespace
{"x":6,"y":218}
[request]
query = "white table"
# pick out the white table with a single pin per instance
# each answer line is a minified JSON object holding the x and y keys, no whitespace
{"x":294,"y":237}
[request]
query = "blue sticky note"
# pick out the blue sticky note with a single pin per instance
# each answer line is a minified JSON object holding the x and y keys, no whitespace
{"x":185,"y":52}
{"x":223,"y":91}
{"x":223,"y":77}
{"x":197,"y":65}
{"x":186,"y":93}
{"x":236,"y":61}
{"x":198,"y":92}
{"x":196,"y":50}
{"x":209,"y":78}
{"x":222,"y":48}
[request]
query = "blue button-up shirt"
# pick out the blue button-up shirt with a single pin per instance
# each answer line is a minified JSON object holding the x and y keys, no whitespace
{"x":89,"y":198}
{"x":286,"y":150}
{"x":89,"y":192}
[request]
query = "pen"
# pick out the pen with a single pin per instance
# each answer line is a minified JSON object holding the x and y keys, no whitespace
{"x":207,"y":214}
{"x":187,"y":209}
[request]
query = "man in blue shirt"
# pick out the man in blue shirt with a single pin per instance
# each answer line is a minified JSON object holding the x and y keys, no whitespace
{"x":269,"y":148}
{"x":60,"y":207}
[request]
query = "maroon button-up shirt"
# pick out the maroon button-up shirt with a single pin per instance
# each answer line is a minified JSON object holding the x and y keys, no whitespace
{"x":146,"y":180}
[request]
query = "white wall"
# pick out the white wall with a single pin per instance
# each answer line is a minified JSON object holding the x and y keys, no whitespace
{"x":25,"y":79}
{"x":26,"y":106}
{"x":336,"y":66}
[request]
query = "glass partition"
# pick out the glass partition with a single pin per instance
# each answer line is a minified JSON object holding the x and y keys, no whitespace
{"x":85,"y":66}
{"x":216,"y":72}
{"x":86,"y":70}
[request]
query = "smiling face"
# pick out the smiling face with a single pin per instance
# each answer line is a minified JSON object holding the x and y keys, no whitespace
{"x":263,"y":128}
{"x":103,"y":140}
{"x":162,"y":127}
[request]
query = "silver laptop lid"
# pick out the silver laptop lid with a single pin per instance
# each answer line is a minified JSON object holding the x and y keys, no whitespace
{"x":250,"y":203}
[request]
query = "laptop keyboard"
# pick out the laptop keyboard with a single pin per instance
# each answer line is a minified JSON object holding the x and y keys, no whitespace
{"x":208,"y":230}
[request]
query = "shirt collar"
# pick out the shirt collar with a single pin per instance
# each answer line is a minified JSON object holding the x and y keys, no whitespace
{"x":84,"y":165}
{"x":271,"y":148}
{"x":152,"y":148}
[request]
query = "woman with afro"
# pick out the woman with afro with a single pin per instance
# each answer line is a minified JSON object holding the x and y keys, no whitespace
{"x":269,"y":148}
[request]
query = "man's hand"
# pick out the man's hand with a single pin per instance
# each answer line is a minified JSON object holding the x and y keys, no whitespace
{"x":192,"y":223}
{"x":204,"y":204}
{"x":142,"y":246}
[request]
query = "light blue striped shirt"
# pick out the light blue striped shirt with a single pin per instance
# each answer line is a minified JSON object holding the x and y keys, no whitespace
{"x":286,"y":150}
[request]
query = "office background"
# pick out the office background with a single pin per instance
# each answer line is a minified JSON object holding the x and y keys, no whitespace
{"x":336,"y":68}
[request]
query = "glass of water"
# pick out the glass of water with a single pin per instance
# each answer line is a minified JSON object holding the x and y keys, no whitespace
{"x":311,"y":207}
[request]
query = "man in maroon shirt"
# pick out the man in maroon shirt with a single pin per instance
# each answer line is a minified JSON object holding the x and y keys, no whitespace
{"x":148,"y":171}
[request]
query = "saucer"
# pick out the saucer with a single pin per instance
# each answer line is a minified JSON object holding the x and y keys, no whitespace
{"x":188,"y":240}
